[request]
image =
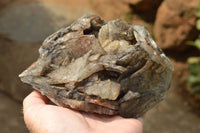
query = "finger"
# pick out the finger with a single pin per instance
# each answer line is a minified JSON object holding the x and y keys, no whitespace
{"x":35,"y":98}
{"x":31,"y":105}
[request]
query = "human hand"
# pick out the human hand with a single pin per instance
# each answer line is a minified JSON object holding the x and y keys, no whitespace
{"x":40,"y":117}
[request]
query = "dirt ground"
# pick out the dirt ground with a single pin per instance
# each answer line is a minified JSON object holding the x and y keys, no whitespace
{"x":173,"y":115}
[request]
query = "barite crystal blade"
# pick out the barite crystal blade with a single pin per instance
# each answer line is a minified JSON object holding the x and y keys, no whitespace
{"x":111,"y":68}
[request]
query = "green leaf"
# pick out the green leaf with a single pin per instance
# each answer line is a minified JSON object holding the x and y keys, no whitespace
{"x":198,"y":24}
{"x":191,"y":43}
{"x":192,"y":60}
{"x":197,"y":43}
{"x":194,"y":83}
{"x":198,"y":11}
{"x":194,"y":69}
{"x":193,"y":79}
{"x":196,"y":90}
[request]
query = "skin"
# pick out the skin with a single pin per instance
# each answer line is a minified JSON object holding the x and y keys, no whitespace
{"x":40,"y":117}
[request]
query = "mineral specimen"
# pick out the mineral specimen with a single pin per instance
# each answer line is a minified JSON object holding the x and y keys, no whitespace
{"x":111,"y":68}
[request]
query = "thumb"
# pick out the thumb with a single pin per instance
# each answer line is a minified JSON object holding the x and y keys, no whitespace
{"x":31,"y":104}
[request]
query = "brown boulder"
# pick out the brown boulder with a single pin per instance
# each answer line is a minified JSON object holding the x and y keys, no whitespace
{"x":109,"y":9}
{"x":175,"y":24}
{"x":4,"y":3}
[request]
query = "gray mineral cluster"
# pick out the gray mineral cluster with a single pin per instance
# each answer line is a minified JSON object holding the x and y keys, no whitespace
{"x":111,"y":68}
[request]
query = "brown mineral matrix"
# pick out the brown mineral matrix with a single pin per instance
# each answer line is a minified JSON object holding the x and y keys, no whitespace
{"x":111,"y":68}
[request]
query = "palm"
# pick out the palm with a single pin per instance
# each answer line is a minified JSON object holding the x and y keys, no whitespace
{"x":41,"y":117}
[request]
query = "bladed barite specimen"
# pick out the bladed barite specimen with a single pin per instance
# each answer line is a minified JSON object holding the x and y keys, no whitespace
{"x":111,"y":68}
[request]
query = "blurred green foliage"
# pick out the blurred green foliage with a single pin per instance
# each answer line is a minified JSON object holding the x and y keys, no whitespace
{"x":194,"y":78}
{"x":194,"y":62}
{"x":195,"y":43}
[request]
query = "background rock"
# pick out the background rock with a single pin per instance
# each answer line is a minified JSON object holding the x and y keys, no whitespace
{"x":175,"y":24}
{"x":14,"y":59}
{"x":32,"y":22}
{"x":109,"y":9}
{"x":4,"y":3}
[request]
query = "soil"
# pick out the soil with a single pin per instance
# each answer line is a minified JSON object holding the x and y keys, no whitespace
{"x":180,"y":74}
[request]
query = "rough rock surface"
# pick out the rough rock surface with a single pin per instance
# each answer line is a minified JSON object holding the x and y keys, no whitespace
{"x":107,"y":68}
{"x":175,"y":23}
